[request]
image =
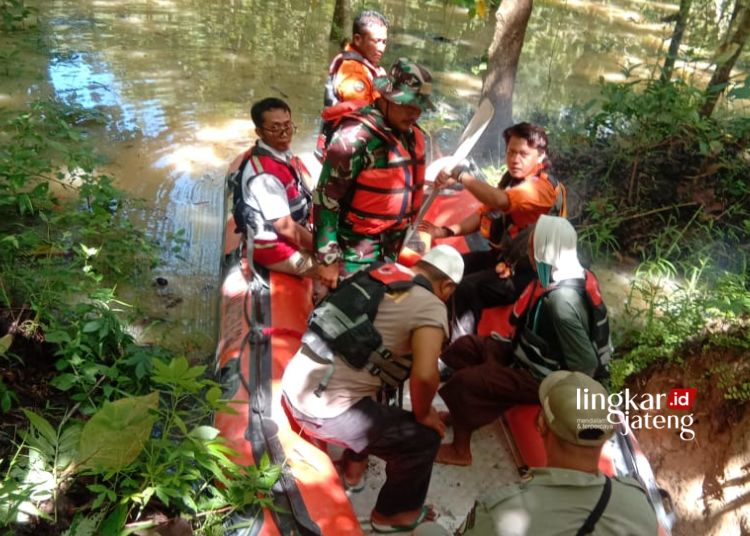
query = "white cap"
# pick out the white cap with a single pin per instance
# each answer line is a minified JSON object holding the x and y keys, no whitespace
{"x":446,"y":259}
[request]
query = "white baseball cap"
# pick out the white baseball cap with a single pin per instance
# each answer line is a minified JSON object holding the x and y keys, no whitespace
{"x":446,"y":259}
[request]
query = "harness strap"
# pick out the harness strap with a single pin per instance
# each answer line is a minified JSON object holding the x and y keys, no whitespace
{"x":596,"y":513}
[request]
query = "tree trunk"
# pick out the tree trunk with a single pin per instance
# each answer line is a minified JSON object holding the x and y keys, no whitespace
{"x":342,"y":21}
{"x":510,"y":29}
{"x":728,"y":54}
{"x":674,"y":43}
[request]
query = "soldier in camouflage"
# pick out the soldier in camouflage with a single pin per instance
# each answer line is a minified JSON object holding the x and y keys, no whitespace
{"x":371,"y":185}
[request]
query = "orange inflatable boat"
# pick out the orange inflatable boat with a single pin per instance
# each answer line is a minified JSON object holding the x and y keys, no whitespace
{"x":262,"y":317}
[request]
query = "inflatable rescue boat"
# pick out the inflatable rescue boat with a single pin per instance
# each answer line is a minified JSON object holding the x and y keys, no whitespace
{"x":262,"y":319}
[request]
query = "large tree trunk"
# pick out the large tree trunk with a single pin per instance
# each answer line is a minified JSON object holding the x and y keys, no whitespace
{"x":342,"y":21}
{"x":510,"y":29}
{"x":674,"y":43}
{"x":728,"y":54}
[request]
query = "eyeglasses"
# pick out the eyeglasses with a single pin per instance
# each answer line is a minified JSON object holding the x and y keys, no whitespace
{"x":281,"y":129}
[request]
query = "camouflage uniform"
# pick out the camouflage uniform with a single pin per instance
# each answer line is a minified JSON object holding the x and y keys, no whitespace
{"x":354,"y":148}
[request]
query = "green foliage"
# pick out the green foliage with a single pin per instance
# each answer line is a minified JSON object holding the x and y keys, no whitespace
{"x":664,"y":184}
{"x":65,"y":239}
{"x":7,"y":397}
{"x":184,"y":463}
{"x":116,"y":434}
{"x":97,"y":358}
{"x":734,"y":379}
{"x":669,"y":309}
{"x":646,"y":160}
{"x":598,"y":235}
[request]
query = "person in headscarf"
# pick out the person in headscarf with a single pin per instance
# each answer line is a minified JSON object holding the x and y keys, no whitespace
{"x":553,"y":331}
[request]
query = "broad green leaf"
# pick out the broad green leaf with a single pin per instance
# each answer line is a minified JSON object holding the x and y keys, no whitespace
{"x":213,"y":395}
{"x":64,"y":381}
{"x":68,"y":446}
{"x":41,"y":425}
{"x":116,"y":434}
{"x":56,"y":336}
{"x":91,"y":326}
{"x":115,"y":521}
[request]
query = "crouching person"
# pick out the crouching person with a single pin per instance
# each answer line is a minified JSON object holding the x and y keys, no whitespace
{"x":271,"y":201}
{"x":379,"y":327}
{"x":570,"y":495}
{"x":561,"y":324}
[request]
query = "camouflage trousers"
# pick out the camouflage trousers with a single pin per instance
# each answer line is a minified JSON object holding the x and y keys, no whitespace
{"x":359,"y":250}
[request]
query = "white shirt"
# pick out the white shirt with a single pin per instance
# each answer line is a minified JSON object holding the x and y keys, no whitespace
{"x":266,"y":195}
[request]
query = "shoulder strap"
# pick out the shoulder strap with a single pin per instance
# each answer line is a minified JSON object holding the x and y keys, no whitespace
{"x":596,"y":513}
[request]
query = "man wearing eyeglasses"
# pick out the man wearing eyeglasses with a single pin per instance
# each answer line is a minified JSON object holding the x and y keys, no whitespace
{"x":371,"y":185}
{"x":271,"y":197}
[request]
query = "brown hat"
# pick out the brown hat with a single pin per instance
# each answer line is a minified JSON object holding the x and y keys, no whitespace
{"x":567,"y":400}
{"x":407,"y":83}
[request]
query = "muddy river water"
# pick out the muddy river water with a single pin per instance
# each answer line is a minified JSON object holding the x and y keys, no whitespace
{"x":176,"y":79}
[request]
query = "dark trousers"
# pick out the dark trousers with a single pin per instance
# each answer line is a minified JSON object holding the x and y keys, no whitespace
{"x":486,"y":381}
{"x":482,"y":288}
{"x":390,"y":433}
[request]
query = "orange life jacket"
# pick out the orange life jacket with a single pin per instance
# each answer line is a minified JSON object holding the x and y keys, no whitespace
{"x":330,"y":97}
{"x":387,"y":199}
{"x":494,"y":223}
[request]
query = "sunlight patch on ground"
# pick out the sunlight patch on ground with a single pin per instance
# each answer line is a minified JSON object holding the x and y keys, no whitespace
{"x":693,"y":494}
{"x":736,"y":483}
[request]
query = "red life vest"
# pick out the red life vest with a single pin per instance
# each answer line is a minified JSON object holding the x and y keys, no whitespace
{"x":520,"y":318}
{"x":291,"y":177}
{"x":388,"y":198}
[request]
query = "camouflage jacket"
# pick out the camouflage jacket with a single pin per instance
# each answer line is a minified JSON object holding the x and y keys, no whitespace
{"x":353,"y":148}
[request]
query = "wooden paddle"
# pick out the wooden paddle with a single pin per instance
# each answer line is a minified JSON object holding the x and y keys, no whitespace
{"x":414,"y":247}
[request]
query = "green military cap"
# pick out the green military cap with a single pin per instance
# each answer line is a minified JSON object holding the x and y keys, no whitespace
{"x":407,"y":83}
{"x":576,"y":408}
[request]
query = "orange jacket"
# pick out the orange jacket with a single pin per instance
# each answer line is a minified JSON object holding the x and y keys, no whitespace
{"x":350,"y":77}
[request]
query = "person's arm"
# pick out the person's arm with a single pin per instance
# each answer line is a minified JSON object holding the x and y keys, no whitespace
{"x":426,"y":345}
{"x":464,"y":227}
{"x":494,"y":198}
{"x":342,"y":164}
{"x":571,"y":322}
{"x":294,"y":233}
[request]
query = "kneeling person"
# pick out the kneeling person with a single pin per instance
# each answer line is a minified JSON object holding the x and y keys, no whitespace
{"x":270,"y":197}
{"x":337,"y":402}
